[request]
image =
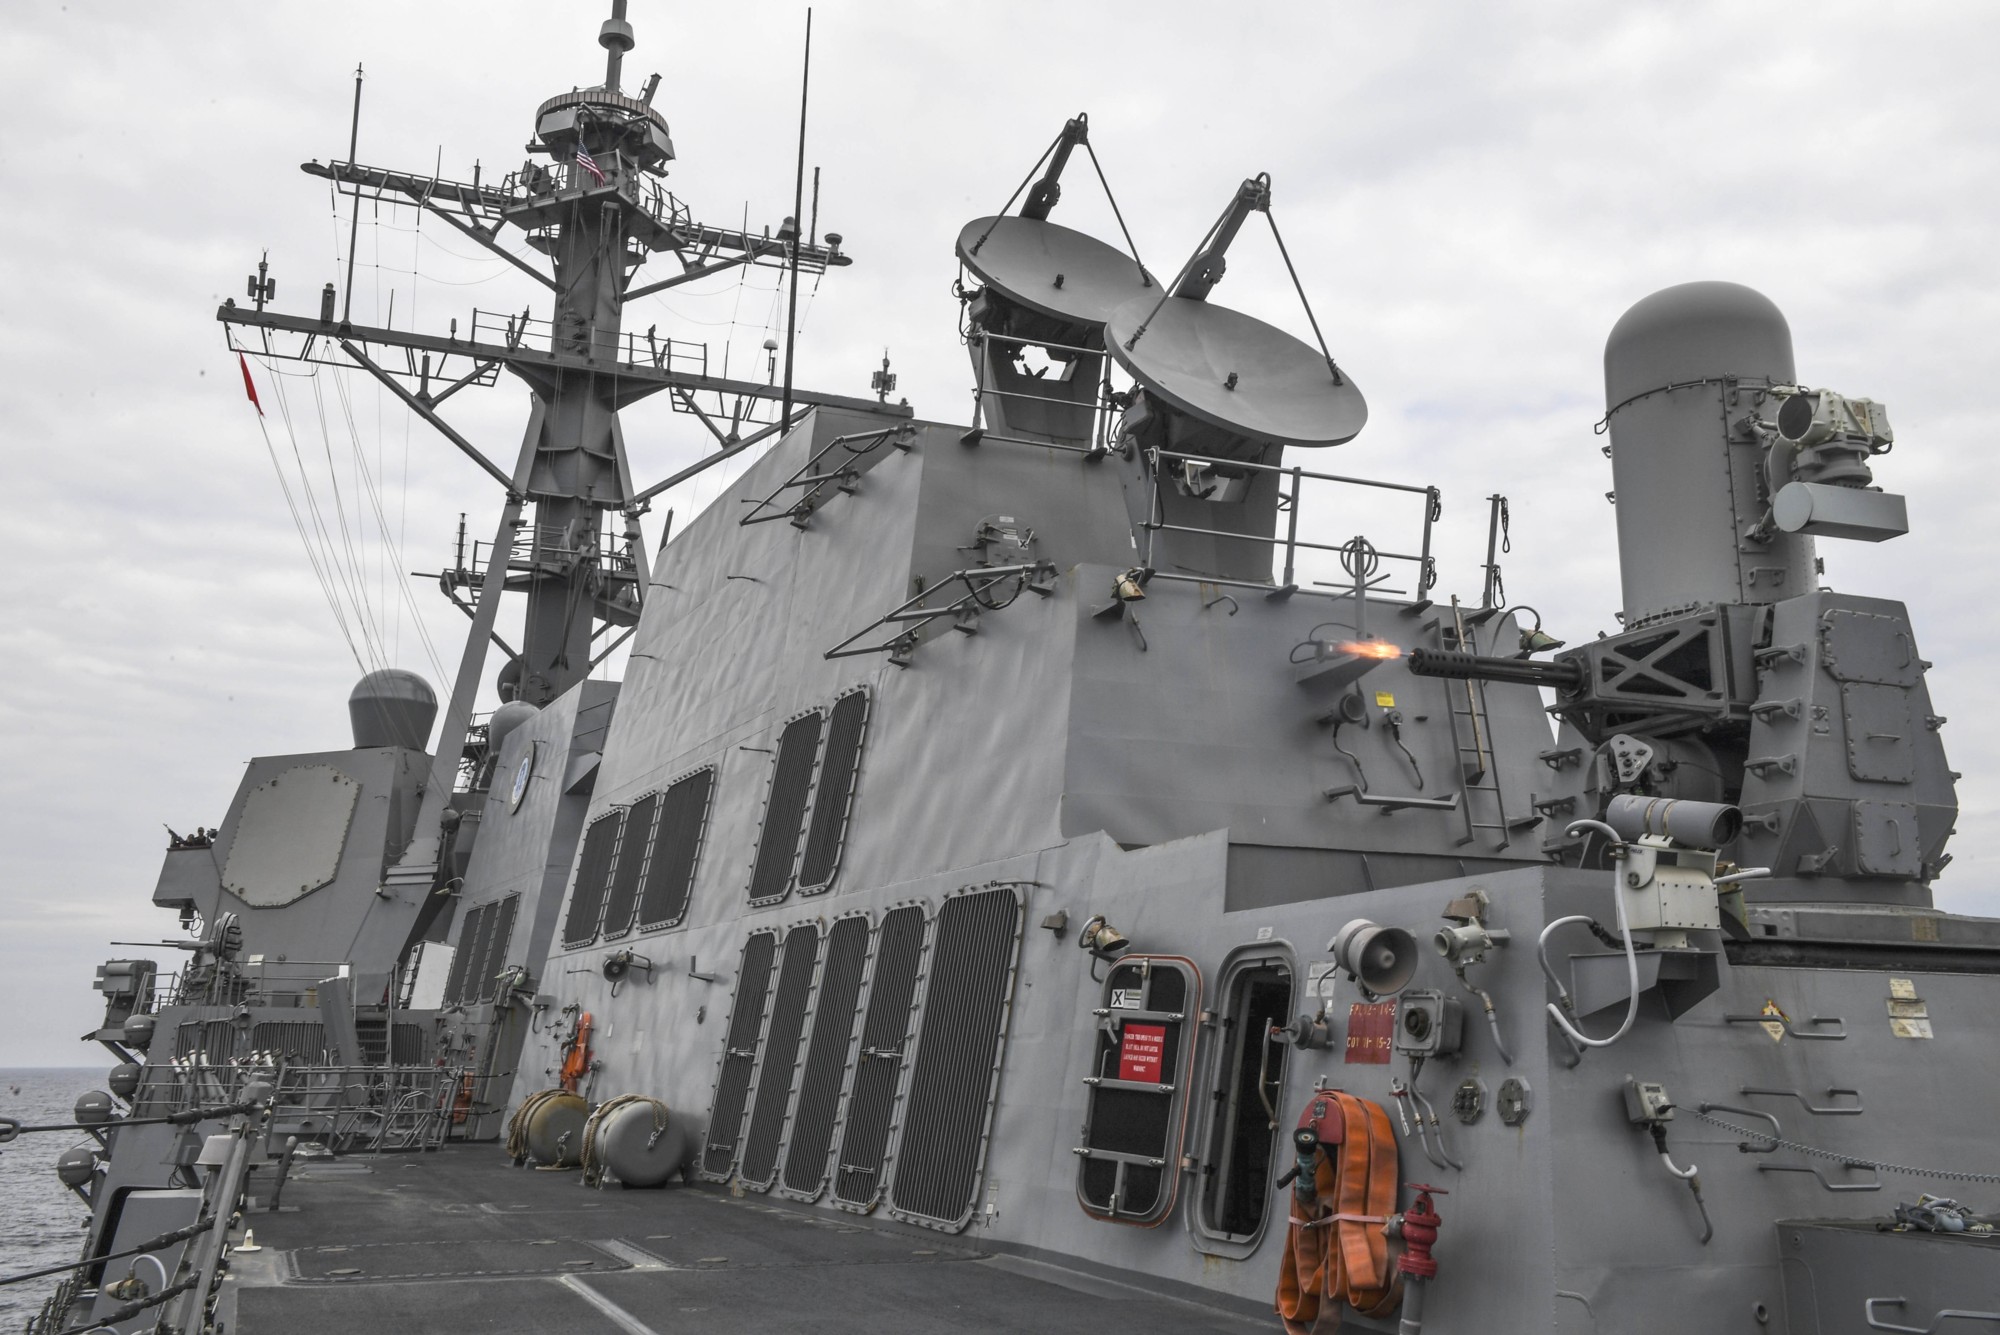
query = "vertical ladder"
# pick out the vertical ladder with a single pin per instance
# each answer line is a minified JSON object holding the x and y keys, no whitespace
{"x":1477,"y":771}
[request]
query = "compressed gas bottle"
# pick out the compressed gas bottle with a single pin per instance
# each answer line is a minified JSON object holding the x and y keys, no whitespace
{"x":553,"y":1132}
{"x":641,"y":1143}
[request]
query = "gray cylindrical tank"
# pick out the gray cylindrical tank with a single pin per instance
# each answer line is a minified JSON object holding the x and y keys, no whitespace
{"x":554,"y":1133}
{"x":1686,"y":490}
{"x":392,"y":707}
{"x":642,"y":1143}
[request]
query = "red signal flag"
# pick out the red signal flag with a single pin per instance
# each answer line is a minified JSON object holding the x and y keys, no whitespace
{"x":249,"y":385}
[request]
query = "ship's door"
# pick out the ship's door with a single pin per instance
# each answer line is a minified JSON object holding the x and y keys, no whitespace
{"x":1129,"y":1155}
{"x":1238,"y":1138}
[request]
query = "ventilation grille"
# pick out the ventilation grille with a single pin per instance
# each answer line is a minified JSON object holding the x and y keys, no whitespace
{"x":732,"y":1082}
{"x":791,"y":784}
{"x":593,"y":869}
{"x":206,"y":1040}
{"x":834,"y":794}
{"x":487,"y":983}
{"x":957,"y":1067}
{"x":622,"y":901}
{"x":461,"y":959}
{"x":412,"y":1045}
{"x":781,"y":1056}
{"x":835,"y":1009}
{"x":676,"y":851}
{"x":295,"y":1042}
{"x":878,"y":1067}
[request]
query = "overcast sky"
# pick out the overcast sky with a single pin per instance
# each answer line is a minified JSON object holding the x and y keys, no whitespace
{"x":1473,"y":193}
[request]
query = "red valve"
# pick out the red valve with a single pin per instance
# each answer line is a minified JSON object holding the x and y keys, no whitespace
{"x":1419,"y":1227}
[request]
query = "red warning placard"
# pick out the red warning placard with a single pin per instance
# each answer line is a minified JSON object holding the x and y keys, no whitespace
{"x":1142,"y":1052}
{"x":1371,"y":1032}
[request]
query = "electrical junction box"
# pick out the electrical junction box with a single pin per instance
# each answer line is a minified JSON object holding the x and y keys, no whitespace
{"x":1669,"y":889}
{"x":1429,"y":1024}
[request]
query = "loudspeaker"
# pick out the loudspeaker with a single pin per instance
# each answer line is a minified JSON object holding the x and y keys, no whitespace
{"x":1382,"y":959}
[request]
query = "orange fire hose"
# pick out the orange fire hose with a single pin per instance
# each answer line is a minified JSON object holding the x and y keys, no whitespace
{"x":1337,"y":1252}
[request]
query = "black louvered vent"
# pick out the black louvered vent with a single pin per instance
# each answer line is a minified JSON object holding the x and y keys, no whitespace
{"x":957,"y":1066}
{"x":835,"y":1009}
{"x":864,"y":1140}
{"x":732,"y":1082}
{"x":206,"y":1040}
{"x":593,"y":869}
{"x":833,"y":795}
{"x":621,"y":901}
{"x":676,"y":851}
{"x":791,"y":783}
{"x":294,"y":1042}
{"x":487,"y":982}
{"x":781,"y":1056}
{"x":412,"y":1045}
{"x":461,"y":959}
{"x":187,"y":1038}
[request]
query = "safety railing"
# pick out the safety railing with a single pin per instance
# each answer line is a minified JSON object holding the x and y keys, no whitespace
{"x":1359,"y":558}
{"x":346,"y":1107}
{"x":1098,"y":406}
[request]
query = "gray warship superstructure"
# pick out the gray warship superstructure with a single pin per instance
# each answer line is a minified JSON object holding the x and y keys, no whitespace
{"x":1000,"y":833}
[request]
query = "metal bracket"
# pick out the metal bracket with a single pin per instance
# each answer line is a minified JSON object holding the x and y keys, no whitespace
{"x":1844,"y":1110}
{"x":1791,"y":1029}
{"x":1869,"y":1305}
{"x":1389,"y":804}
{"x":1873,"y":1184}
{"x":1744,"y":1146}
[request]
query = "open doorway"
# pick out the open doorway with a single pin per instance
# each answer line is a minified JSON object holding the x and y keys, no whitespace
{"x":1245,"y":1097}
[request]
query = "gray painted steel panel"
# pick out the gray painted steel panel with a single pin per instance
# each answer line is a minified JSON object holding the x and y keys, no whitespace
{"x":778,"y":1070}
{"x":289,"y":836}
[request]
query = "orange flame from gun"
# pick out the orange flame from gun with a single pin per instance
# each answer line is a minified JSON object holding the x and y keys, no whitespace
{"x":1369,"y":649}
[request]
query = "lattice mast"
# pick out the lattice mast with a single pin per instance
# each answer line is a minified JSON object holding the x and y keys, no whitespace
{"x":596,"y":210}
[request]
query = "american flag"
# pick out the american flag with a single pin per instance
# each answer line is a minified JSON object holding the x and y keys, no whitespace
{"x":588,"y":163}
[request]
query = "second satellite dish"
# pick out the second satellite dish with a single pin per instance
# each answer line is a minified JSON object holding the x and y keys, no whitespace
{"x":1225,"y":370}
{"x":1234,"y":372}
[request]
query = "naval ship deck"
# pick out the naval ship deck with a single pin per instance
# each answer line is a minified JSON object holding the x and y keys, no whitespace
{"x":461,"y":1240}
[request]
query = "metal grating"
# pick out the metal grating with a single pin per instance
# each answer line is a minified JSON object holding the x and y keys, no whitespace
{"x":621,"y":902}
{"x":785,"y":809}
{"x":833,"y":794}
{"x":956,"y":1072}
{"x":676,"y":850}
{"x":205,"y":1040}
{"x":835,"y":1009}
{"x":294,"y":1042}
{"x":739,"y":1058}
{"x":486,"y":983}
{"x":878,"y":1068}
{"x":412,"y":1044}
{"x":781,"y":1056}
{"x":593,"y":868}
{"x":461,"y":959}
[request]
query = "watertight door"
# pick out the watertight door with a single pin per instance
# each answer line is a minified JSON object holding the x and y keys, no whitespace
{"x":1128,"y":1165}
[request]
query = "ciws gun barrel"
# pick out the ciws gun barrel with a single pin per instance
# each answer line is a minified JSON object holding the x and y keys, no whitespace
{"x":1478,"y":667}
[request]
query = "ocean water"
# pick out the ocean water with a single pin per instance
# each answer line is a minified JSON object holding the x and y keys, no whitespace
{"x":41,"y":1222}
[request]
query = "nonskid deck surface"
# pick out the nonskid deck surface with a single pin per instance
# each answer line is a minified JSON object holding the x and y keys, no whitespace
{"x":461,"y":1240}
